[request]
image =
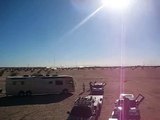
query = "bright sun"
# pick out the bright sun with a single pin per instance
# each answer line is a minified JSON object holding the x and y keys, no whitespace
{"x":117,"y":4}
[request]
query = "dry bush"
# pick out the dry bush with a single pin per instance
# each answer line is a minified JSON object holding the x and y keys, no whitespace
{"x":13,"y":73}
{"x":48,"y":73}
{"x":36,"y":74}
{"x":39,"y":71}
{"x":2,"y":72}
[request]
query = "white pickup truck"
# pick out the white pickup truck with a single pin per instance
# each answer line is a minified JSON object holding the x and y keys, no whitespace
{"x":98,"y":100}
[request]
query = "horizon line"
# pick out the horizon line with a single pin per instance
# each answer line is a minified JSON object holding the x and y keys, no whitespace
{"x":80,"y":66}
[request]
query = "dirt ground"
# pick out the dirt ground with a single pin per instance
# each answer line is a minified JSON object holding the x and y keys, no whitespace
{"x":54,"y":107}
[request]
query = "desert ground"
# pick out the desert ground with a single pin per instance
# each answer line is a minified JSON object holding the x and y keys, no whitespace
{"x":144,"y":80}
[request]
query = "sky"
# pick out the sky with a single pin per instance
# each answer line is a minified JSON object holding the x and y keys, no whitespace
{"x":62,"y":33}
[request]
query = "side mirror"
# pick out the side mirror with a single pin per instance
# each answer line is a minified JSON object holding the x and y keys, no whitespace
{"x":104,"y":84}
{"x":68,"y":112}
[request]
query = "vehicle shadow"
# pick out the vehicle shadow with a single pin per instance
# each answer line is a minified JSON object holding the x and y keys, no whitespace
{"x":32,"y":100}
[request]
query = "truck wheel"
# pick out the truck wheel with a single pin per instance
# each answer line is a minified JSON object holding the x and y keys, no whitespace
{"x":28,"y":93}
{"x":65,"y":91}
{"x":21,"y":94}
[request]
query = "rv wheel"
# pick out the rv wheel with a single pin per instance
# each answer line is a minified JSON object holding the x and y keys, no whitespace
{"x":65,"y":91}
{"x":28,"y":93}
{"x":0,"y":90}
{"x":21,"y":93}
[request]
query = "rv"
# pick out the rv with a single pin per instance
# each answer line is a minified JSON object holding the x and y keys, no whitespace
{"x":31,"y":85}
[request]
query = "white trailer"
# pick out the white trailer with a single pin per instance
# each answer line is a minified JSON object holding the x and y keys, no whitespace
{"x":21,"y":85}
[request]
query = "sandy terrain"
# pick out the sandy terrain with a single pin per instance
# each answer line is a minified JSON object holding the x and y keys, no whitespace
{"x":54,"y":107}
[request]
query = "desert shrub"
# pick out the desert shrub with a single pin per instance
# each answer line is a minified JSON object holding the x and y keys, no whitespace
{"x":32,"y":70}
{"x":36,"y":74}
{"x":13,"y":74}
{"x":48,"y":72}
{"x":55,"y":74}
{"x":1,"y":72}
{"x":39,"y":71}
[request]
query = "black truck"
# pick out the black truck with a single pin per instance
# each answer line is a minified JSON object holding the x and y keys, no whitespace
{"x":85,"y":108}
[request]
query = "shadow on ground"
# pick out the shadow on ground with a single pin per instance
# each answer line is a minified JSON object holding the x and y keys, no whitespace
{"x":41,"y":99}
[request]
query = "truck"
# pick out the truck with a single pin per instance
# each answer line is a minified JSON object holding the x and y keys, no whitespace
{"x":97,"y":91}
{"x":88,"y":107}
{"x":97,"y":88}
{"x":127,"y":107}
{"x":39,"y":85}
{"x":85,"y":108}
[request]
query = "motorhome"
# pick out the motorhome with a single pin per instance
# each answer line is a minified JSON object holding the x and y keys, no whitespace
{"x":31,"y":85}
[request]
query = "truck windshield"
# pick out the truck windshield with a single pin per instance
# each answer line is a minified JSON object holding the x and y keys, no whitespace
{"x":97,"y":86}
{"x":79,"y":111}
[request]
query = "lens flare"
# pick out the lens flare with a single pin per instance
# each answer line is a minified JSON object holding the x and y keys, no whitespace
{"x":117,"y":4}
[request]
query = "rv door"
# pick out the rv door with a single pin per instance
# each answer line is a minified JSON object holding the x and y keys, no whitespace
{"x":70,"y":84}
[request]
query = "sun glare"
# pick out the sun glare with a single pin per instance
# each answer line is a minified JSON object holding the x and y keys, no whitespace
{"x":116,"y":4}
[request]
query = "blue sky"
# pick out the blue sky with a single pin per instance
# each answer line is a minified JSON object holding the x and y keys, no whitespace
{"x":38,"y":33}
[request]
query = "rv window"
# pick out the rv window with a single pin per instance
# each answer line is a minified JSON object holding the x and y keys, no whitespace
{"x":59,"y":82}
{"x":18,"y":78}
{"x":14,"y":82}
{"x":50,"y":82}
{"x":22,"y":82}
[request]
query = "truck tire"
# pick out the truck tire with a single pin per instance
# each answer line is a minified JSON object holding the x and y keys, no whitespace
{"x":21,"y":93}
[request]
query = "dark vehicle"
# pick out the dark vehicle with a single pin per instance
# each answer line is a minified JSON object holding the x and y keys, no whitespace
{"x":127,"y":107}
{"x":97,"y":88}
{"x":85,"y":108}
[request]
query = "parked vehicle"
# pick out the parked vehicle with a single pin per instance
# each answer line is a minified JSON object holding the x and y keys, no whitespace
{"x":127,"y":107}
{"x":97,"y":88}
{"x":31,"y":85}
{"x":85,"y":108}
